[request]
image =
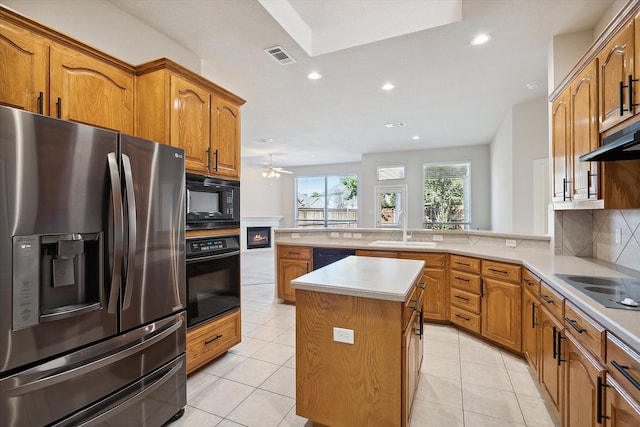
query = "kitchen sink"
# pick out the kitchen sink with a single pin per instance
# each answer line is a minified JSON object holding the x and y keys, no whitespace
{"x":401,"y":244}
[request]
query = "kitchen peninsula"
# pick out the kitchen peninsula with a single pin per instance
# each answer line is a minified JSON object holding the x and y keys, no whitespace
{"x":359,"y":341}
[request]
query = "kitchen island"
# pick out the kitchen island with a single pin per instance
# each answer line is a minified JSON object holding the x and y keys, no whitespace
{"x":359,"y":341}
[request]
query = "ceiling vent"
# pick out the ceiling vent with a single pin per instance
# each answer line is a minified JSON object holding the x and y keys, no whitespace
{"x":280,"y":55}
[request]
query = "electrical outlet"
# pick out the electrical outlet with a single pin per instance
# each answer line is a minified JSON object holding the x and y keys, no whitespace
{"x":438,"y":237}
{"x":295,"y":235}
{"x":357,"y":235}
{"x":511,"y":243}
{"x":618,"y":235}
{"x":343,"y":335}
{"x":335,"y":234}
{"x":347,"y":235}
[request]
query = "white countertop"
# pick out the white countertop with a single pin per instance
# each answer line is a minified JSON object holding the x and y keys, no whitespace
{"x":388,"y":279}
{"x":625,"y":324}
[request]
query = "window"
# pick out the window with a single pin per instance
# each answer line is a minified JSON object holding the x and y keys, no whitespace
{"x":390,"y":202}
{"x":390,"y":172}
{"x":447,"y":196}
{"x":327,"y":201}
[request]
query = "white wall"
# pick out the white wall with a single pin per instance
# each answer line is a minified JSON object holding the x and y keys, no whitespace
{"x":103,"y":26}
{"x":501,"y":152}
{"x":259,"y":196}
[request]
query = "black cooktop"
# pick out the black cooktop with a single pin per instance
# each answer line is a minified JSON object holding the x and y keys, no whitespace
{"x":611,"y":292}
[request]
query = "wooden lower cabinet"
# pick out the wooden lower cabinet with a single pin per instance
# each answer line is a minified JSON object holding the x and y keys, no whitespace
{"x":549,"y":372}
{"x":209,"y":340}
{"x":434,"y":275}
{"x":293,"y":262}
{"x":583,"y":376}
{"x":501,"y":313}
{"x":621,"y":410}
{"x":412,"y":353}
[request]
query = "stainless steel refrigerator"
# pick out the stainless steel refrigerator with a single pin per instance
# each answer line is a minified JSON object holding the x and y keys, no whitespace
{"x":92,"y":276}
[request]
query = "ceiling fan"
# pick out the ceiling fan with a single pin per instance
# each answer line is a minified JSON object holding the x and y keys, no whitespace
{"x":271,"y":171}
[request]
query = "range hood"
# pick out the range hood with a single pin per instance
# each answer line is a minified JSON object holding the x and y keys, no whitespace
{"x":622,"y":145}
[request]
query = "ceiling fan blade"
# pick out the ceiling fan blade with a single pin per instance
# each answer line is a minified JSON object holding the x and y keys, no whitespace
{"x":281,"y":170}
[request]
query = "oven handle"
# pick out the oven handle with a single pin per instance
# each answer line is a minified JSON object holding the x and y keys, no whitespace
{"x":212,"y":257}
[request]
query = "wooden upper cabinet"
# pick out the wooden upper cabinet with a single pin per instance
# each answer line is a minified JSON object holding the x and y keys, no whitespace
{"x":225,"y":141}
{"x":561,"y":146}
{"x":89,"y":90}
{"x":190,"y":123}
{"x":24,"y":69}
{"x":616,"y":66}
{"x":584,"y":134}
{"x":177,"y":107}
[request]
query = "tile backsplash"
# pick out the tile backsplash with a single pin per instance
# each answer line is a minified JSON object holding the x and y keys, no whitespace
{"x":608,"y":235}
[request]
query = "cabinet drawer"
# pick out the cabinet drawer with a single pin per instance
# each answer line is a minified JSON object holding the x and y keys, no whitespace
{"x":465,"y":319}
{"x":552,"y":300}
{"x":430,"y":260}
{"x":413,"y":304}
{"x":586,"y":331}
{"x":208,"y":341}
{"x":378,"y":254}
{"x":501,"y":270}
{"x":464,"y":263}
{"x":531,"y":281}
{"x":465,"y":281}
{"x":294,"y":252}
{"x":623,"y":364}
{"x":465,"y":300}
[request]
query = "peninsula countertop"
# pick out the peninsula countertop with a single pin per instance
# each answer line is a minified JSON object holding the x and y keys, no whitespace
{"x":388,"y":279}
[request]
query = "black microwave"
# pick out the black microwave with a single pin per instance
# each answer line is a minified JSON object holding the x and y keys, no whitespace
{"x":212,"y":203}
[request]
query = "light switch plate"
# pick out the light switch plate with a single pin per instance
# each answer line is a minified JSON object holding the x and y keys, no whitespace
{"x":335,"y":234}
{"x":295,"y":235}
{"x":343,"y":335}
{"x":438,"y":237}
{"x":347,"y":235}
{"x":357,"y":235}
{"x":511,"y":243}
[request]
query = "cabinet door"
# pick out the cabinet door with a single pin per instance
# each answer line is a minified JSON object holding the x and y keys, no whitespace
{"x":585,"y":136}
{"x":581,"y":373}
{"x":411,"y":360}
{"x":615,"y":65}
{"x":190,"y":123}
{"x":530,"y":328}
{"x":501,"y":313}
{"x":87,"y":90}
{"x":289,"y":269}
{"x":621,"y":409}
{"x":549,"y":368}
{"x":24,"y":69}
{"x":225,"y":139}
{"x":435,"y":294}
{"x":561,"y":146}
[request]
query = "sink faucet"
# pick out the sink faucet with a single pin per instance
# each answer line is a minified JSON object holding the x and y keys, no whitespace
{"x":402,"y":215}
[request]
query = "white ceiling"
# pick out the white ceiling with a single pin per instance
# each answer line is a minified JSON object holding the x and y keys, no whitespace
{"x":448,"y":92}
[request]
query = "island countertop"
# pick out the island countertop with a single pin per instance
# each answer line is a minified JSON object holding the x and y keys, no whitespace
{"x":388,"y":279}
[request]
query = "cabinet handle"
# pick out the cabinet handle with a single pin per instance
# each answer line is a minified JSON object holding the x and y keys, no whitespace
{"x":424,"y":285}
{"x":212,"y":339}
{"x":627,"y":375}
{"x":208,"y":159}
{"x":59,"y":108}
{"x":555,"y":342}
{"x":498,"y":271}
{"x":462,"y":298}
{"x":481,"y":288}
{"x":41,"y":103}
{"x":421,"y":323}
{"x":415,"y":306}
{"x":546,"y":299}
{"x":528,"y":282}
{"x":589,"y":175}
{"x":574,"y":325}
{"x":466,"y":264}
{"x":599,"y":414}
{"x":462,"y":279}
{"x":560,"y":338}
{"x":630,"y":81}
{"x":621,"y":98}
{"x":533,"y":315}
{"x":462,"y":317}
{"x":216,"y":154}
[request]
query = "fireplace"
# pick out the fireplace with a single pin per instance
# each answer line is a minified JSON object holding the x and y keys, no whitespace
{"x":258,"y":237}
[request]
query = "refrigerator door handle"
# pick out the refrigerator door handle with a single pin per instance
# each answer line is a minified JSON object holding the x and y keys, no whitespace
{"x":118,"y":230}
{"x":130,"y":400}
{"x":131,"y":211}
{"x":56,"y":377}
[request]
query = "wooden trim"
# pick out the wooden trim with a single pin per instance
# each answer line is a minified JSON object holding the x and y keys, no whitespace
{"x":618,"y":21}
{"x":205,"y":233}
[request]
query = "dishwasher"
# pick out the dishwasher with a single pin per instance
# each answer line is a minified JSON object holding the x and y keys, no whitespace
{"x":326,"y":256}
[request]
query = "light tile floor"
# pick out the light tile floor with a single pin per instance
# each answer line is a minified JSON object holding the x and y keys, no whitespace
{"x":464,"y":381}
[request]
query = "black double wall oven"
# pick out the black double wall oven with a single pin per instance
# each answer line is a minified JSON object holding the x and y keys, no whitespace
{"x":213,"y":260}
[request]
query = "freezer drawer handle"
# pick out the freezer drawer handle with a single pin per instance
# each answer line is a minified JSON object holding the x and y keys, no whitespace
{"x":135,"y":398}
{"x":57,"y":377}
{"x":131,"y":210}
{"x":118,"y":231}
{"x":74,"y":310}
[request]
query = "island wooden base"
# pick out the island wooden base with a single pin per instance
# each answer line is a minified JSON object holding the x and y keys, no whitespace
{"x":340,"y":384}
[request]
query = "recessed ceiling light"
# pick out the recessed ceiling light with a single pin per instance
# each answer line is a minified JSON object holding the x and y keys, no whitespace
{"x":387,"y":86}
{"x":395,"y":124}
{"x":533,"y":85}
{"x":415,"y":137}
{"x":480,"y":39}
{"x":314,"y":75}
